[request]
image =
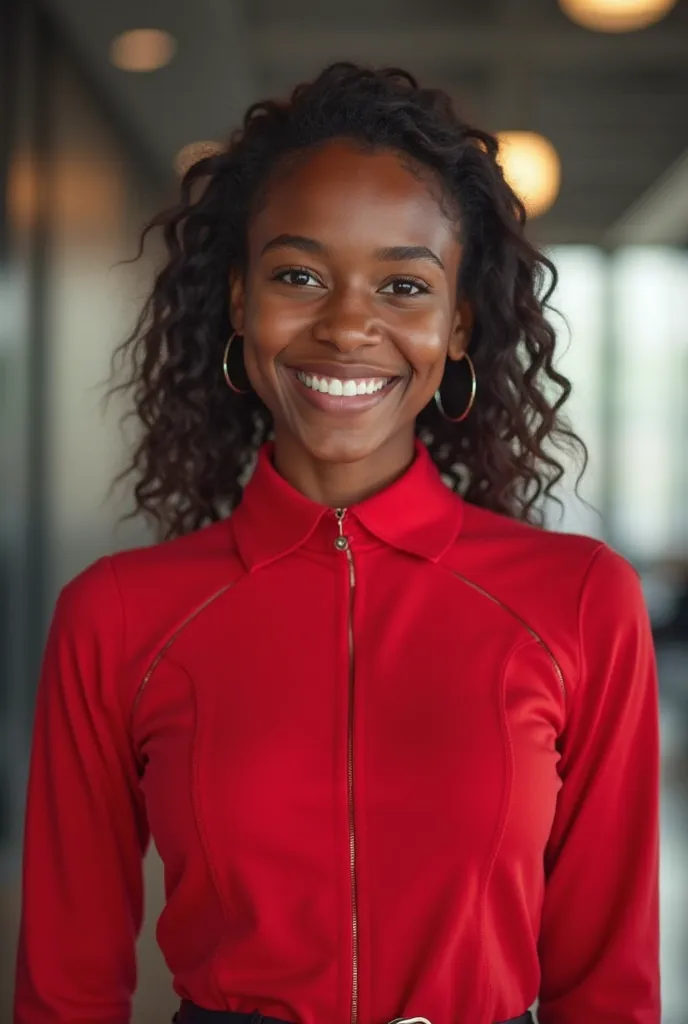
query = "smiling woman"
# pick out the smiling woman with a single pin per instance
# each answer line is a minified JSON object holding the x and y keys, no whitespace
{"x":330,"y":306}
{"x":397,"y":747}
{"x":365,"y":219}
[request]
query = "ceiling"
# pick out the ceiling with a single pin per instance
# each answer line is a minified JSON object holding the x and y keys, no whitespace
{"x":615,"y":106}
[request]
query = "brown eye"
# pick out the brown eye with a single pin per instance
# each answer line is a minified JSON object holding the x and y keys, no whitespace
{"x":298,"y":277}
{"x":405,"y":287}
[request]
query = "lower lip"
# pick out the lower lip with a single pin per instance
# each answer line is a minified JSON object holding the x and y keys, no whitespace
{"x":342,"y":404}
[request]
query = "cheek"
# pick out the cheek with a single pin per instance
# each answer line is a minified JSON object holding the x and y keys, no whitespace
{"x":272,"y":315}
{"x":269,"y":328}
{"x":423,"y":343}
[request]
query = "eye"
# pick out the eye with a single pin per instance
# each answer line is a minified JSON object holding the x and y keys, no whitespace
{"x":298,"y":277}
{"x":405,"y":286}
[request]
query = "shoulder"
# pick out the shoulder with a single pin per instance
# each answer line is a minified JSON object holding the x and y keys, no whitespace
{"x":156,"y":565}
{"x":612,"y":604}
{"x":555,"y":583}
{"x":142,"y":593}
{"x":115,"y":616}
{"x":564,"y":562}
{"x":198,"y":559}
{"x":485,"y":526}
{"x":530,"y":558}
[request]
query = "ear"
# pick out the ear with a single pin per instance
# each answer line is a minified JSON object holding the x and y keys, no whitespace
{"x":461,"y":330}
{"x":237,"y":300}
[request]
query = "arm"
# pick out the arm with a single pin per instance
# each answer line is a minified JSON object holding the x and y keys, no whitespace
{"x":85,"y":831}
{"x":599,"y":937}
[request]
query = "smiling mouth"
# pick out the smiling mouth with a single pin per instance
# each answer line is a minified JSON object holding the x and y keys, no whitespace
{"x":345,"y":387}
{"x":341,"y":394}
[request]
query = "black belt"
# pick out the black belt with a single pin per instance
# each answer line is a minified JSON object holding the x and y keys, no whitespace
{"x":189,"y":1013}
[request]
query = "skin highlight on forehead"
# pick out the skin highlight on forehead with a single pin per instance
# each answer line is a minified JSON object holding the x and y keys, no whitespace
{"x":294,"y":161}
{"x":361,"y":200}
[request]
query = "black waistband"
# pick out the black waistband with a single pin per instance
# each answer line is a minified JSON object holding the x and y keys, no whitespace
{"x":189,"y":1013}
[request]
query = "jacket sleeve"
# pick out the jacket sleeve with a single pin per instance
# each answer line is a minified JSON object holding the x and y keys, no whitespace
{"x":599,"y":937}
{"x":85,"y":830}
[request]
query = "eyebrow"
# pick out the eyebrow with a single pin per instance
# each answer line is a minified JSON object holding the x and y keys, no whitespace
{"x":309,"y":245}
{"x":401,"y":253}
{"x":394,"y":253}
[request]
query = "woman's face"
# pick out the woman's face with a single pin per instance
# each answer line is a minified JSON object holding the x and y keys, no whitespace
{"x":348,"y":307}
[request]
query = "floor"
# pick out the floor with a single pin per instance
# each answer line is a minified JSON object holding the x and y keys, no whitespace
{"x":155,"y":1002}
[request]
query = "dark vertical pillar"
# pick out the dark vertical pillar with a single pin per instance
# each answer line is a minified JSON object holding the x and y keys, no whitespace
{"x":37,"y":390}
{"x":25,"y":160}
{"x":8,"y":33}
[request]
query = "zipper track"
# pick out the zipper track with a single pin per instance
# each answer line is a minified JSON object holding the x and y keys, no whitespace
{"x":342,"y":544}
{"x":538,"y":639}
{"x":171,"y":640}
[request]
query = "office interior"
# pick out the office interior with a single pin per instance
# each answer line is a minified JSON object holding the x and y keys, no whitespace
{"x":92,"y":139}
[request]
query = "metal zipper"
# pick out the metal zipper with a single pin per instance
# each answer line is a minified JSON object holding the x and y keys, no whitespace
{"x":166,"y":646}
{"x":538,"y":639}
{"x":342,"y":544}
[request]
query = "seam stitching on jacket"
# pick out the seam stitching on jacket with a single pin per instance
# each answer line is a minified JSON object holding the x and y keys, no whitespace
{"x":502,"y":818}
{"x":579,"y":633}
{"x":178,"y":630}
{"x":122,"y":652}
{"x":200,"y":827}
{"x":518,"y":618}
{"x":125,"y":719}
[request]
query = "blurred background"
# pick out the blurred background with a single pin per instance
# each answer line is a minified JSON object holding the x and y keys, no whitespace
{"x":99,"y":104}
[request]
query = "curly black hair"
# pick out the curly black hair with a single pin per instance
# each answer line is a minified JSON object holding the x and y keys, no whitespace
{"x":199,"y":439}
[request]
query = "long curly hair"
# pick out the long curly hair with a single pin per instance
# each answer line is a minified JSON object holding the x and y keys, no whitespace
{"x":198,"y":440}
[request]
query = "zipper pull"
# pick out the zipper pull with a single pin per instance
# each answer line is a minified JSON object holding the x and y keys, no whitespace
{"x":341,"y":542}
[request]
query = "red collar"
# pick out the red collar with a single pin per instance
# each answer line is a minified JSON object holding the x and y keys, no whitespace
{"x":417,"y":513}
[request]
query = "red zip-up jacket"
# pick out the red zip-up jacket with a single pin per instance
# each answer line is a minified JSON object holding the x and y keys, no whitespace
{"x":399,"y":762}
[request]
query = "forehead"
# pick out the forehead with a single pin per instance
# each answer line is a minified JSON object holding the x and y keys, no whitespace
{"x":368,"y":198}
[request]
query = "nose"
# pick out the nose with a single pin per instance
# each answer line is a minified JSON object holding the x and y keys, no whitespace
{"x":347,"y":323}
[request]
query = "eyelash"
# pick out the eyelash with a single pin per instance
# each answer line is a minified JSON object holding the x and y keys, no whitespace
{"x":423,"y":288}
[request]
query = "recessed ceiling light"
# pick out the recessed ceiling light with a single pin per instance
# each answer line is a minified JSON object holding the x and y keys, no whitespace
{"x":616,"y":15}
{"x":142,"y":49}
{"x":532,"y":168}
{"x":191,"y":154}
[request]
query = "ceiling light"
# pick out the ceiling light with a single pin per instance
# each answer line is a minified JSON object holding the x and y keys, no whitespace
{"x":531,"y":167}
{"x":616,"y":15}
{"x":191,"y":154}
{"x":142,"y":49}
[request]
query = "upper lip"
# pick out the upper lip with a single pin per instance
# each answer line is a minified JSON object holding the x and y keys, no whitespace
{"x":344,"y":371}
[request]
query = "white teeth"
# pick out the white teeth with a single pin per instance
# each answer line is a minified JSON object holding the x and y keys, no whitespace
{"x":346,"y":388}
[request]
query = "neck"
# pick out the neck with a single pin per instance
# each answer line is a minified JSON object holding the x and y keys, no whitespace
{"x":342,"y":484}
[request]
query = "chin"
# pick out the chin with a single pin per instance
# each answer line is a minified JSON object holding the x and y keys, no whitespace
{"x":340,"y":449}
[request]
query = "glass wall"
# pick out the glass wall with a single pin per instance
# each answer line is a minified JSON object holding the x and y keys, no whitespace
{"x":649,"y":402}
{"x":578,"y":316}
{"x":74,"y":197}
{"x":627,"y":357}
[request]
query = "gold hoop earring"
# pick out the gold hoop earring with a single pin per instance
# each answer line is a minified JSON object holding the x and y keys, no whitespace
{"x":471,"y":400}
{"x":225,"y":368}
